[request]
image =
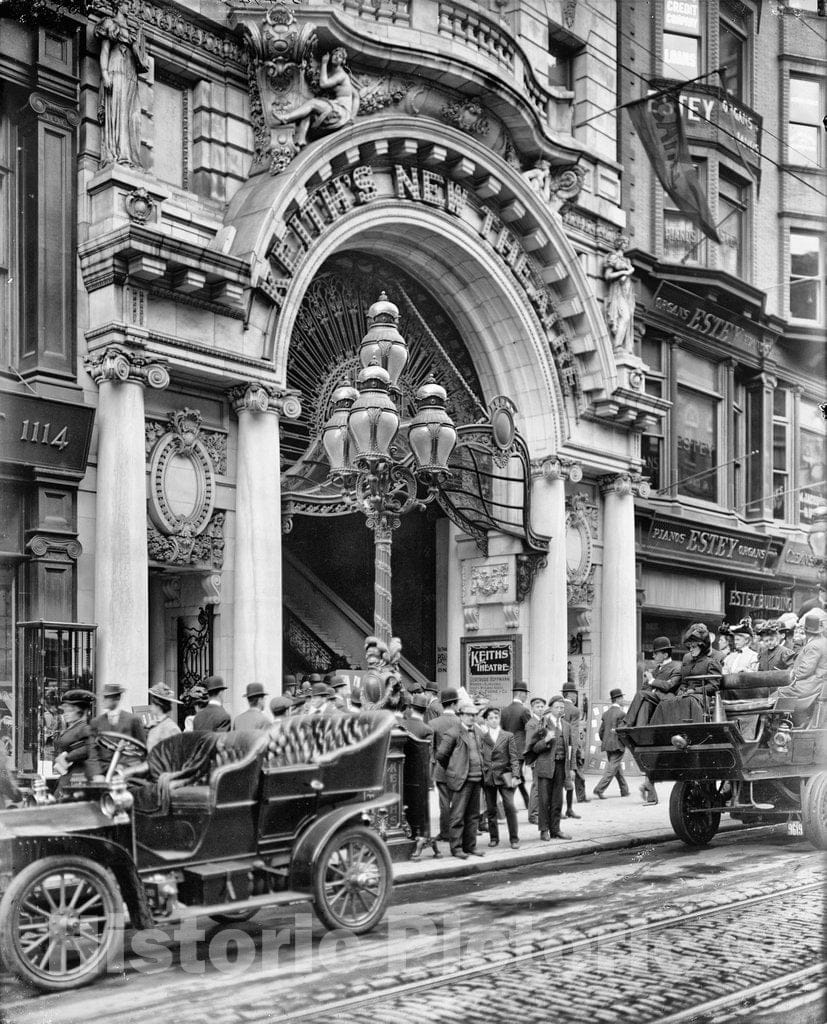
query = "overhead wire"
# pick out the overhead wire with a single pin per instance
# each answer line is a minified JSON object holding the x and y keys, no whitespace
{"x":697,"y":113}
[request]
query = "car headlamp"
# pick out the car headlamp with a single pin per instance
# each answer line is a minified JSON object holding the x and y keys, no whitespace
{"x":117,"y":802}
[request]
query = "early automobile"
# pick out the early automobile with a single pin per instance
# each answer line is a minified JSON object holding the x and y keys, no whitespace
{"x":210,"y":824}
{"x":758,"y":759}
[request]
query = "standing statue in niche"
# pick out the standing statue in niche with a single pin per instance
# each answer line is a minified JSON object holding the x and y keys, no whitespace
{"x":122,"y":58}
{"x":326,"y":114}
{"x":620,"y":302}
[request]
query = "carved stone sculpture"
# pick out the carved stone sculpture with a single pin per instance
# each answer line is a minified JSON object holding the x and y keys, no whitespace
{"x":122,"y":58}
{"x":620,"y":301}
{"x":331,"y":112}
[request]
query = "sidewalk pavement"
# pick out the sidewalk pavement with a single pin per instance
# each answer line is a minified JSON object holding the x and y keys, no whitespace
{"x":612,"y":824}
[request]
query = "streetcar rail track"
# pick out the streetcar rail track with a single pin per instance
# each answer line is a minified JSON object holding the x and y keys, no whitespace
{"x":568,"y":946}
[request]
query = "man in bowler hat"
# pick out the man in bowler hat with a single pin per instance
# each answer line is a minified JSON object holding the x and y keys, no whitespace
{"x":612,"y":746}
{"x":441,"y":726}
{"x":212,"y":718}
{"x":253,"y":718}
{"x":434,"y":708}
{"x":114,"y":719}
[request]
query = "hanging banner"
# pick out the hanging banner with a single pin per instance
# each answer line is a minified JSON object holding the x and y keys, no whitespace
{"x":659,"y":124}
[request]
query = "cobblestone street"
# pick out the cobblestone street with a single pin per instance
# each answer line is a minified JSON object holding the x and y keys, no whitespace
{"x":654,"y":933}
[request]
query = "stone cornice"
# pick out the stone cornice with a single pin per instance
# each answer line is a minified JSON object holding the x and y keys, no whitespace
{"x":257,"y":397}
{"x":122,"y":366}
{"x":143,"y":255}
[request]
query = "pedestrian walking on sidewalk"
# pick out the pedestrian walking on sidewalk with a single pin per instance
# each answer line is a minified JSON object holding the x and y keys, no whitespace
{"x":460,"y":755}
{"x":500,"y":774}
{"x":549,"y":742}
{"x":612,"y":747}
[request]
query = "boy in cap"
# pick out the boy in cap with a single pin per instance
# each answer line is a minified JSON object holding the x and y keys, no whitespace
{"x":549,"y":742}
{"x":612,"y":746}
{"x":253,"y":718}
{"x":161,"y":699}
{"x":212,"y":718}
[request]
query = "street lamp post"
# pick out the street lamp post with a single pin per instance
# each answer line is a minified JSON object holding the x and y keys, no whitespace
{"x":359,"y":440}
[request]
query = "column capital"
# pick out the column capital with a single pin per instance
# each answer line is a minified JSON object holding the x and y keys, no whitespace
{"x":257,"y":397}
{"x":122,"y":366}
{"x":624,"y":484}
{"x":556,"y":467}
{"x":764,"y":380}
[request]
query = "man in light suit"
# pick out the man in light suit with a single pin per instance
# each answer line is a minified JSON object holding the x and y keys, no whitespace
{"x":549,"y":742}
{"x":809,"y":670}
{"x":501,"y":767}
{"x":460,"y":755}
{"x":212,"y":718}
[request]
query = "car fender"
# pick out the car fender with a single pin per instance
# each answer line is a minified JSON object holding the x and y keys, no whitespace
{"x":310,"y":844}
{"x":103,"y":851}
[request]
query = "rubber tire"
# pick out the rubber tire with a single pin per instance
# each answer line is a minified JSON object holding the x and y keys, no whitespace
{"x":814,"y":811}
{"x":105,"y":884}
{"x":692,"y":829}
{"x":329,"y":917}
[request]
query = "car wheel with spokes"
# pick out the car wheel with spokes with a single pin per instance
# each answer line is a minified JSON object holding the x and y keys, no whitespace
{"x":694,"y":811}
{"x":61,"y":922}
{"x":352,"y":881}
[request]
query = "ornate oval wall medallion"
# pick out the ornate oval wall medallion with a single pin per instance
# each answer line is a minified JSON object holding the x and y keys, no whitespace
{"x":578,"y":541}
{"x":181,"y":478}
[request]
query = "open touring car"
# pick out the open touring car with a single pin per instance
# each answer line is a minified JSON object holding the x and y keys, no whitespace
{"x":756,"y":759}
{"x":216,"y":824}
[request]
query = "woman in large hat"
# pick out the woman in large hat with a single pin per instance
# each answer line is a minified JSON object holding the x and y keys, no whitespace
{"x":161,"y":699}
{"x":72,"y":744}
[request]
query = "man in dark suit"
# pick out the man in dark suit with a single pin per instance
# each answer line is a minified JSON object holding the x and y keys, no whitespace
{"x":417,"y":774}
{"x":459,"y":754}
{"x":577,"y":724}
{"x":114,"y":719}
{"x":434,"y":708}
{"x":212,"y":718}
{"x":612,"y":746}
{"x":665,"y":677}
{"x":253,"y":718}
{"x":501,"y":767}
{"x":441,"y":726}
{"x":514,"y":719}
{"x":549,"y":742}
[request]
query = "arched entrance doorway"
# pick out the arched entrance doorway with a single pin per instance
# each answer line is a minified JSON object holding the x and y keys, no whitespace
{"x":328,"y":549}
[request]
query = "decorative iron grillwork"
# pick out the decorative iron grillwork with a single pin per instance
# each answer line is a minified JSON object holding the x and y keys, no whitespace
{"x":195,"y":650}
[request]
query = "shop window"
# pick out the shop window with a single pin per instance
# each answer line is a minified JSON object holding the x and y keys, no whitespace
{"x":780,"y":454}
{"x":732,"y":56}
{"x":171,"y":115}
{"x":682,"y":39}
{"x":732,"y":224}
{"x":812,"y":461}
{"x":806,"y":277}
{"x":683,"y":241}
{"x":804,"y":131}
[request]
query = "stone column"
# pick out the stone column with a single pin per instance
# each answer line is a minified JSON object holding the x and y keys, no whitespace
{"x":257,"y":625}
{"x":618,"y":604}
{"x":456,"y":624}
{"x":121,"y":564}
{"x":548,"y":620}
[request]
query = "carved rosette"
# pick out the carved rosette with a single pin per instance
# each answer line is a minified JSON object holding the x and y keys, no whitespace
{"x":264,"y":398}
{"x":486,"y":581}
{"x":123,"y":367}
{"x":139,"y":205}
{"x":624,"y":485}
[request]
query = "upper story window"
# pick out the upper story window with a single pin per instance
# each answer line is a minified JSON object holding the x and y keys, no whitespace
{"x":682,"y":39}
{"x":733,"y":51}
{"x":732,"y":223}
{"x":696,"y":422}
{"x":806,"y":280}
{"x":781,"y":454}
{"x":173,"y":135}
{"x":805,"y":143}
{"x":812,"y":460}
{"x":683,"y":241}
{"x":651,"y":441}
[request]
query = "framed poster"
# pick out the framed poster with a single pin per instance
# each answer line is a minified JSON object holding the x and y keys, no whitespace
{"x":491,"y":665}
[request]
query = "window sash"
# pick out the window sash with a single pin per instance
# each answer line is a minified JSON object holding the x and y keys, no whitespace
{"x":805,"y":284}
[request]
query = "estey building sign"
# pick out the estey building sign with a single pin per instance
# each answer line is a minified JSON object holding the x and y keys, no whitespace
{"x":685,"y":311}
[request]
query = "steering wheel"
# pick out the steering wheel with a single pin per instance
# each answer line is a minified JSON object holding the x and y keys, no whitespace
{"x":127,"y":745}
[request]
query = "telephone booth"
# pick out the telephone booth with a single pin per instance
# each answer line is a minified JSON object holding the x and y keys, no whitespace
{"x":52,"y":657}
